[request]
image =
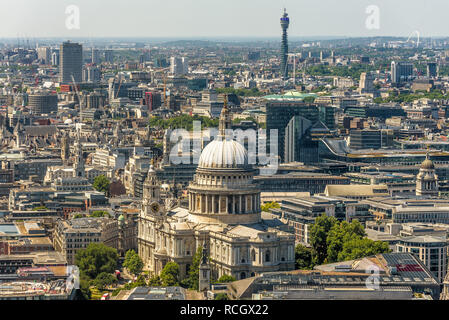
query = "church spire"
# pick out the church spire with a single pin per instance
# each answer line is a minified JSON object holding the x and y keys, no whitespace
{"x":225,"y":119}
{"x":78,"y":166}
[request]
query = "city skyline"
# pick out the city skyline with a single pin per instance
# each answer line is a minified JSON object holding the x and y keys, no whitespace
{"x":206,"y":19}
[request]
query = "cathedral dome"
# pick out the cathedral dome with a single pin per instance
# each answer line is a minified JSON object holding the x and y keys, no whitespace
{"x":427,"y":164}
{"x":224,"y":153}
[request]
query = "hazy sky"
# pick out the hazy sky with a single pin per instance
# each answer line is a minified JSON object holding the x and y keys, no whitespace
{"x":215,"y":18}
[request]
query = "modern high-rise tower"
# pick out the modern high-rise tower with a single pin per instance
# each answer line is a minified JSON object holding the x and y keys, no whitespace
{"x":285,"y":21}
{"x":71,"y":62}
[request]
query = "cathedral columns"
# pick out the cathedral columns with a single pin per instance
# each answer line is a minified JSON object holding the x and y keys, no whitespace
{"x":227,"y":204}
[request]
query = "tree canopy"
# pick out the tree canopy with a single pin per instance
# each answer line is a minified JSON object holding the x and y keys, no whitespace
{"x":99,"y":214}
{"x":334,"y":241}
{"x":95,"y":259}
{"x":101,"y":183}
{"x":221,"y":296}
{"x":270,"y":205}
{"x":242,"y":92}
{"x":192,"y":281}
{"x":170,"y":274}
{"x":103,"y":280}
{"x":133,"y":262}
{"x":183,"y":122}
{"x":226,"y":278}
{"x":303,"y":257}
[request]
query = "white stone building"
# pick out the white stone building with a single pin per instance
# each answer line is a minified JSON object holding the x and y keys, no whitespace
{"x":224,"y":213}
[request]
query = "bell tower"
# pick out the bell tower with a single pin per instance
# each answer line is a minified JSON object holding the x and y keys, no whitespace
{"x":151,"y":193}
{"x":427,"y":180}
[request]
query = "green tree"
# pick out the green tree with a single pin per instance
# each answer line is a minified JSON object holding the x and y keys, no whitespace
{"x":101,"y":183}
{"x":270,"y":205}
{"x":309,"y":99}
{"x":95,"y":259}
{"x":40,"y":208}
{"x":133,"y":262}
{"x":362,"y":247}
{"x":182,"y":122}
{"x":192,"y":280}
{"x":140,"y":282}
{"x":226,"y":278}
{"x":340,"y":233}
{"x":334,"y":241}
{"x":85,"y":287}
{"x":303,"y":257}
{"x":318,"y":238}
{"x":155,"y":281}
{"x":99,"y":214}
{"x":221,"y":296}
{"x":103,"y":280}
{"x":170,"y":275}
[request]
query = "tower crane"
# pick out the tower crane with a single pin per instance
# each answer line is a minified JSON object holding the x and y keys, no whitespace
{"x":118,"y":90}
{"x":79,"y":98}
{"x":165,"y":83}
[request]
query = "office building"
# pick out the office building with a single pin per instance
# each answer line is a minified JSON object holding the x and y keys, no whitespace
{"x":402,"y":276}
{"x":432,"y":70}
{"x":71,"y":62}
{"x":55,"y":58}
{"x":299,"y":145}
{"x":401,"y":71}
{"x":365,"y":139}
{"x":179,"y":66}
{"x":109,"y":56}
{"x":366,"y":84}
{"x":44,"y":55}
{"x":431,"y":250}
{"x":95,"y":56}
{"x":43,"y":103}
{"x":91,"y":74}
{"x":209,"y":105}
{"x":279,"y":113}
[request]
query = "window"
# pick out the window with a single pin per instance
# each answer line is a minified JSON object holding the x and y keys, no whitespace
{"x":253,"y":255}
{"x":267,"y":256}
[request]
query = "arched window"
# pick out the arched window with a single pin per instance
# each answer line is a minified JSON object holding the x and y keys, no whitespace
{"x":267,"y":256}
{"x":242,"y":275}
{"x":253,"y":255}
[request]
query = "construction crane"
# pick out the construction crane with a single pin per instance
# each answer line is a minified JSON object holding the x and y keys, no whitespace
{"x":118,"y":90}
{"x":165,"y":83}
{"x":79,"y":99}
